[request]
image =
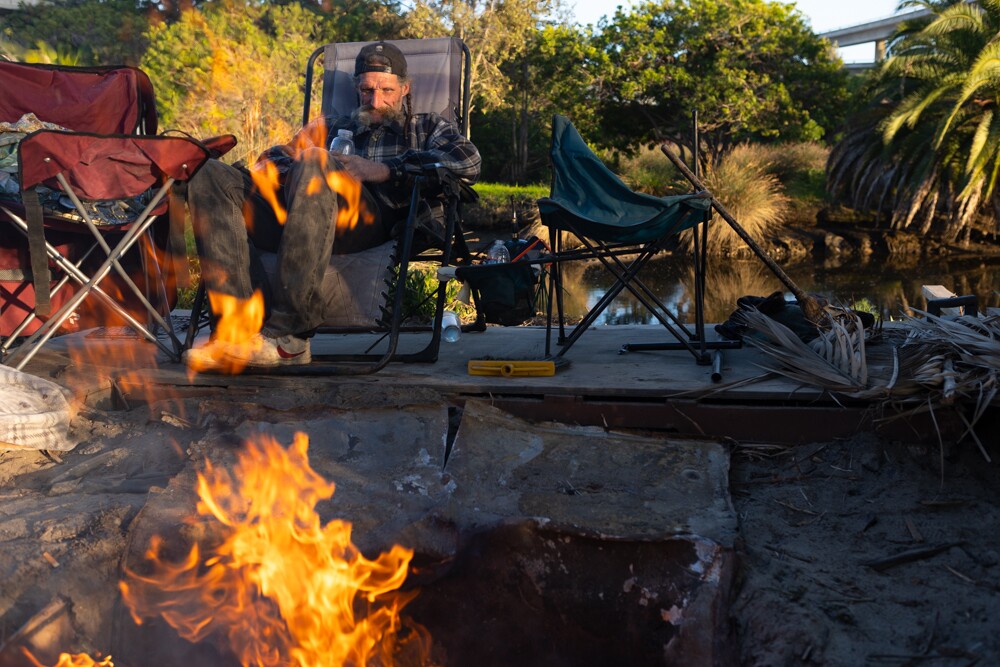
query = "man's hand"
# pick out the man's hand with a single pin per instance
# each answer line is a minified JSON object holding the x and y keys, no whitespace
{"x":366,"y":171}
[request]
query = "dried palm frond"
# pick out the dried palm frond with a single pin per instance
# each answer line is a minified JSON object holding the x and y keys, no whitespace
{"x":975,"y":341}
{"x":952,"y":358}
{"x":938,"y":362}
{"x":832,"y":362}
{"x":842,"y":344}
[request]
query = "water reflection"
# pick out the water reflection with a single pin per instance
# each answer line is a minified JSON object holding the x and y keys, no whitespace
{"x":891,"y":287}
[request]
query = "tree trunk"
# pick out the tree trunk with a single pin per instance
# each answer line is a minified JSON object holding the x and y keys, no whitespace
{"x":523,"y":125}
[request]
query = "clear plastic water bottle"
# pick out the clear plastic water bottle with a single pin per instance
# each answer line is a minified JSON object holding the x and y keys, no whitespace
{"x":497,"y":254}
{"x":451,"y":327}
{"x":343,"y":143}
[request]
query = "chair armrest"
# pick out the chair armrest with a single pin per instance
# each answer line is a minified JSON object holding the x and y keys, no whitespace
{"x":439,"y":179}
{"x":110,"y":166}
{"x":220,"y":145}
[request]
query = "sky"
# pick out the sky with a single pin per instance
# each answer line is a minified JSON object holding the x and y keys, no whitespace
{"x":822,"y":15}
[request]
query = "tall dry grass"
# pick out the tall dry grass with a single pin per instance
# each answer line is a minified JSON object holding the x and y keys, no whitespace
{"x":792,"y":160}
{"x":745,"y":183}
{"x":753,"y":182}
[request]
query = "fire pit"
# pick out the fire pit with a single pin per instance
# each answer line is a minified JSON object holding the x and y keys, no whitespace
{"x":518,"y":544}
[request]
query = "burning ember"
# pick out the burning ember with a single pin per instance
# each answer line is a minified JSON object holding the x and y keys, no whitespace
{"x":276,"y":587}
{"x":79,"y":660}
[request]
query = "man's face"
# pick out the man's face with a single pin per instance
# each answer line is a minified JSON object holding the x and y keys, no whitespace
{"x":381,"y":95}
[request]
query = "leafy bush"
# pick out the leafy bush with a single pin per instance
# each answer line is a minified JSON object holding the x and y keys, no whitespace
{"x":649,"y":171}
{"x":420,"y":298}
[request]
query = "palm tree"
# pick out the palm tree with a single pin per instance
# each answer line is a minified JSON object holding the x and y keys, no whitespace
{"x":927,"y":147}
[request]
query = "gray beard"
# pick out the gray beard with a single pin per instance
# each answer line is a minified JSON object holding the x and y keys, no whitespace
{"x":363,"y":116}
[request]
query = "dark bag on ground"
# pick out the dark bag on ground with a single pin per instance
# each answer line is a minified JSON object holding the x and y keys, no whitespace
{"x":774,"y":306}
{"x":784,"y":312}
{"x":505,"y":293}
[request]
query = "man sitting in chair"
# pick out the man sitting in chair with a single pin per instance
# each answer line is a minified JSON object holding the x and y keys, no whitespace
{"x":233,"y":218}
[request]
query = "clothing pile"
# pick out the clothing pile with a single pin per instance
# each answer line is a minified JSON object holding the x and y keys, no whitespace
{"x":56,"y":203}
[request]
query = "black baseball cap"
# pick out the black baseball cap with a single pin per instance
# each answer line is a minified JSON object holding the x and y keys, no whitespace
{"x":380,"y":57}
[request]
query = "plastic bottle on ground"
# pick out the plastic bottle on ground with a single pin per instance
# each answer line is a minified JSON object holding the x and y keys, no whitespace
{"x":451,"y":327}
{"x":343,"y":143}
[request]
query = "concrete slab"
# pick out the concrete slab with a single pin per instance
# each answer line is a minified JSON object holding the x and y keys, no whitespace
{"x":658,"y":390}
{"x":587,"y":481}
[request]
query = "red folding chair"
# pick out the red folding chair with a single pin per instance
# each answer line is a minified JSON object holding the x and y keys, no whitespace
{"x":90,"y":208}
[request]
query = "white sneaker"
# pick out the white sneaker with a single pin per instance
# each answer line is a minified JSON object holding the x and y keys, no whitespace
{"x":261,"y":351}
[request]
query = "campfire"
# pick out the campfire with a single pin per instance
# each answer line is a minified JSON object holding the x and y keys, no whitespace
{"x":270,"y":584}
{"x":237,"y":320}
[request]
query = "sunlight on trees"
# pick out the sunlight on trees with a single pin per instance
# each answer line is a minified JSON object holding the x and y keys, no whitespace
{"x":752,"y":69}
{"x":926,"y":149}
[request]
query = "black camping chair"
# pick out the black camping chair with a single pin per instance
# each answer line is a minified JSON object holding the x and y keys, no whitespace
{"x":623,"y":230}
{"x":357,"y":285}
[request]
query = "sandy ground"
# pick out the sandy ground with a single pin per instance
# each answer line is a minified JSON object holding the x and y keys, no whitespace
{"x":866,"y":552}
{"x":858,"y":552}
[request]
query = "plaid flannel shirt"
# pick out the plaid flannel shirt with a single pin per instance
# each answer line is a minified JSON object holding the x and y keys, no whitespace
{"x":430,"y":139}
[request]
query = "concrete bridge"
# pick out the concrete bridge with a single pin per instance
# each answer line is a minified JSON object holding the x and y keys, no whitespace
{"x":877,"y":31}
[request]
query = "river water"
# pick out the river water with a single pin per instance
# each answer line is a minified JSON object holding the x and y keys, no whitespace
{"x":892,"y":287}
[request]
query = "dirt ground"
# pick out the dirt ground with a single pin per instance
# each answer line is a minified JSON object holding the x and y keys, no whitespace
{"x":858,"y":552}
{"x":866,"y":552}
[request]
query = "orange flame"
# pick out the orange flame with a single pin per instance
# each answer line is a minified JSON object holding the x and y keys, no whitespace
{"x":237,"y":323}
{"x":350,"y":190}
{"x":73,"y":660}
{"x":281,"y":588}
{"x":118,"y":359}
{"x":314,"y":134}
{"x":267,"y":179}
{"x":238,"y":319}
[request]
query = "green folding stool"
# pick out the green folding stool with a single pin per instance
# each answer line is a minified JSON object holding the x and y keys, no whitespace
{"x":623,"y":230}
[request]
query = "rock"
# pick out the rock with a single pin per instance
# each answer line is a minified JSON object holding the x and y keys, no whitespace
{"x":835,"y":244}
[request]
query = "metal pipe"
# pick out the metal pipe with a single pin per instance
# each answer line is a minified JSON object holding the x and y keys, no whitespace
{"x":717,"y":366}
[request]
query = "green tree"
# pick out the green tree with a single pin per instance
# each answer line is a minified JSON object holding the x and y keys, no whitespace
{"x":237,"y":66}
{"x":232,"y":68}
{"x":752,"y":69}
{"x":80,"y":32}
{"x":543,"y":80}
{"x":496,"y":32}
{"x":500,"y":35}
{"x":927,"y":147}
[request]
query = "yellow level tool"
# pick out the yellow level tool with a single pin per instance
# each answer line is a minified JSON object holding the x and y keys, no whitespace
{"x":509,"y":368}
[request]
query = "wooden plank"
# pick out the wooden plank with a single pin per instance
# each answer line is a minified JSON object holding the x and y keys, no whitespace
{"x":932,"y":292}
{"x":786,"y":424}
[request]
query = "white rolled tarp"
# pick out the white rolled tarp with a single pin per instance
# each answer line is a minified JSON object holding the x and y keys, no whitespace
{"x":34,"y":413}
